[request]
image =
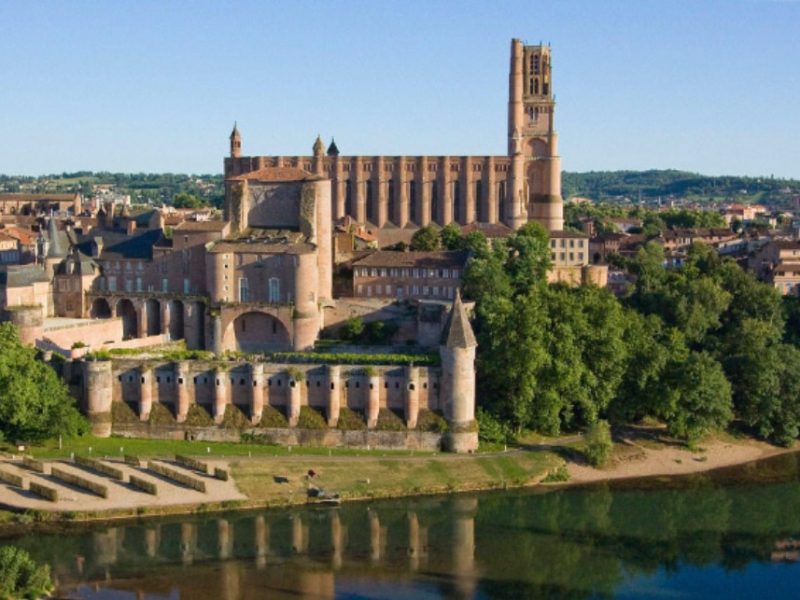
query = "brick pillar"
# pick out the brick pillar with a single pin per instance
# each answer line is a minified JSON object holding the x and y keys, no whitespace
{"x":445,"y":197}
{"x":142,"y":319}
{"x":334,"y":394}
{"x":357,"y":177}
{"x":145,"y":393}
{"x":490,"y":191}
{"x":166,"y":317}
{"x":468,"y":190}
{"x":412,"y":397}
{"x":224,"y":539}
{"x":182,"y":394}
{"x":220,"y":394}
{"x":379,"y":181}
{"x":423,"y":192}
{"x":187,"y":542}
{"x":217,"y":333}
{"x":293,"y":412}
{"x":257,"y":398}
{"x":402,"y":193}
{"x":373,"y":400}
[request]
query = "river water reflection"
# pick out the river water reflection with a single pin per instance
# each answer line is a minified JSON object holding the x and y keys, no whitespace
{"x":734,"y":534}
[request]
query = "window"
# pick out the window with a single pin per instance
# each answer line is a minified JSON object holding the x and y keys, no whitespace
{"x":425,"y":290}
{"x":164,"y":284}
{"x":415,"y":290}
{"x":416,"y":273}
{"x":187,"y":285}
{"x":378,"y":289}
{"x":369,"y":290}
{"x":244,"y":289}
{"x":388,"y":290}
{"x":360,"y":289}
{"x":274,"y":290}
{"x":435,"y":290}
{"x":562,"y":256}
{"x":383,"y":272}
{"x":128,"y":285}
{"x":139,"y":286}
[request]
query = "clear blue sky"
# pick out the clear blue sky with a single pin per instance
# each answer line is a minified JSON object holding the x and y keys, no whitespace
{"x":155,"y":86}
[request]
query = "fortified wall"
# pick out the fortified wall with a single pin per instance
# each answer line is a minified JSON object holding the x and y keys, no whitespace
{"x":245,"y":391}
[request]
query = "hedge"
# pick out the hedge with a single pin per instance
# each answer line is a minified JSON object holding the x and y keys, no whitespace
{"x":11,"y":478}
{"x":144,"y":485}
{"x":133,"y":461}
{"x":44,"y":491}
{"x":33,"y":464}
{"x":177,"y":476}
{"x":76,"y":480}
{"x":221,"y":474}
{"x":192,"y":463}
{"x":100,"y":467}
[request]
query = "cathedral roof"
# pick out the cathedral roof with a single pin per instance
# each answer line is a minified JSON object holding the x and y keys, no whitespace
{"x":275,"y":174}
{"x":458,"y":330}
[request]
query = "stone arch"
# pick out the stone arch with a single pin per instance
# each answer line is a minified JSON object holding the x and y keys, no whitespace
{"x":152,"y":309}
{"x":537,"y":148}
{"x":176,"y":323}
{"x":100,"y":309}
{"x":256,"y":331}
{"x":127,"y":312}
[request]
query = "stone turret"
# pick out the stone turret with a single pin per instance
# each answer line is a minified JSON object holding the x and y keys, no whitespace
{"x":319,"y":157}
{"x":236,"y":142}
{"x":98,"y":381}
{"x":458,"y":379}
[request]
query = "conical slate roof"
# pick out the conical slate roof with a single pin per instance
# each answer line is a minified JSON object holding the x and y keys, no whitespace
{"x":235,"y":132}
{"x":333,"y":150}
{"x":458,"y":329}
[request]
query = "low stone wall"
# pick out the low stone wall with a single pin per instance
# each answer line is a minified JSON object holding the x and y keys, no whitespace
{"x":329,"y":438}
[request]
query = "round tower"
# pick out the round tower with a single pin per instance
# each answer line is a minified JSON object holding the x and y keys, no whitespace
{"x":98,"y":395}
{"x":319,"y":157}
{"x":458,"y":380}
{"x":28,"y":321}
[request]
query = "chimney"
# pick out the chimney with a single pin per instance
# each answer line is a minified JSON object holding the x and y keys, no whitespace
{"x":131,"y":226}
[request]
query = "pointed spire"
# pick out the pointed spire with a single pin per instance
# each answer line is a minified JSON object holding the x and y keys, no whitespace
{"x":318,"y":147}
{"x":333,"y":150}
{"x":458,"y":330}
{"x":235,"y":132}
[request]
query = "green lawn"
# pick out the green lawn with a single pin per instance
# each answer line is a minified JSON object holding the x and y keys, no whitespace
{"x":116,"y":446}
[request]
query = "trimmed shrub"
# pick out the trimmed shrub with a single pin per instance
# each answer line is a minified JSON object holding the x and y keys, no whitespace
{"x":177,"y":476}
{"x":351,"y":420}
{"x":44,"y":491}
{"x":192,"y":463}
{"x":78,"y":481}
{"x":144,"y":485}
{"x":12,"y":478}
{"x":100,"y":467}
{"x":133,"y":461}
{"x":388,"y":420}
{"x":33,"y":464}
{"x":431,"y":421}
{"x":221,"y":474}
{"x":272,"y":417}
{"x":310,"y":418}
{"x":598,"y":444}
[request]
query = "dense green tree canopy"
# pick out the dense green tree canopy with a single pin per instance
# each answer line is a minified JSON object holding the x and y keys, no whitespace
{"x":34,"y":402}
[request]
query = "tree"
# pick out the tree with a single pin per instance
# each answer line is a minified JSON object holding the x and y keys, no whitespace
{"x":34,"y":402}
{"x":451,"y":236}
{"x":187,"y":200}
{"x":699,"y":399}
{"x":21,"y":576}
{"x":425,"y":239}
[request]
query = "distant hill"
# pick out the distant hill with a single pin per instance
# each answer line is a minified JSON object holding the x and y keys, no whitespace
{"x":598,"y":185}
{"x":649,"y":185}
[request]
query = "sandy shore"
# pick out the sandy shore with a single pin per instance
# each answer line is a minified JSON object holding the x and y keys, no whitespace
{"x":633,"y":459}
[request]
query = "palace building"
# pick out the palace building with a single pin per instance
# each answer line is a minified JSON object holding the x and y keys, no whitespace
{"x":407,"y":192}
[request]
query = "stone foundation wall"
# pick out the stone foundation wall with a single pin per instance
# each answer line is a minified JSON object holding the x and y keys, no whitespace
{"x":329,"y":438}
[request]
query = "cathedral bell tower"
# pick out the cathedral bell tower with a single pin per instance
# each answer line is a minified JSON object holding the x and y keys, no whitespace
{"x":236,"y":142}
{"x":531,"y":132}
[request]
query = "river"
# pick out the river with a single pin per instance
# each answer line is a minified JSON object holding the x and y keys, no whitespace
{"x":730,"y":534}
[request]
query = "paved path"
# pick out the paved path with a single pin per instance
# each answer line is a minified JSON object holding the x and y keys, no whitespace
{"x":121,"y":495}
